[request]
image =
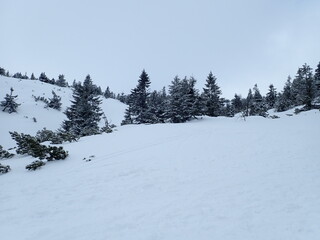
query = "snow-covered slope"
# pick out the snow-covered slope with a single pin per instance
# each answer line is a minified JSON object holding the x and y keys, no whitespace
{"x":213,"y":178}
{"x":23,"y":121}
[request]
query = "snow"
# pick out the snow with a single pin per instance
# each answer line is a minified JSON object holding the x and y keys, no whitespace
{"x":212,"y":178}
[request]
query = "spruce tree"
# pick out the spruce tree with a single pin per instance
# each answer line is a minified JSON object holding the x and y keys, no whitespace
{"x":54,"y":102}
{"x":43,"y":78}
{"x":304,"y":87}
{"x":138,"y":109}
{"x":9,"y":104}
{"x":211,"y":97}
{"x":84,"y":113}
{"x":237,"y":104}
{"x":2,"y":71}
{"x":32,"y":77}
{"x":61,"y":82}
{"x":317,"y":79}
{"x":285,"y":99}
{"x":271,"y":96}
{"x":258,"y":107}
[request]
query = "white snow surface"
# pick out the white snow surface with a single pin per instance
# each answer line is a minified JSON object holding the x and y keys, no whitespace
{"x":212,"y":178}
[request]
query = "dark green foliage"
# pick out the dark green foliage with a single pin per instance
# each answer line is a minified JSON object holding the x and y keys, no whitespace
{"x":271,"y":97}
{"x":5,"y":154}
{"x":2,"y":71}
{"x":54,"y":102}
{"x":42,"y":99}
{"x":184,"y":100}
{"x":4,"y":169}
{"x":285,"y":99}
{"x":56,"y":153}
{"x":211,"y":97}
{"x":61,"y":82}
{"x":43,"y":78}
{"x":84,"y":113}
{"x":32,"y":77}
{"x":237,"y":103}
{"x":303,"y":87}
{"x":27,"y":144}
{"x":45,"y":135}
{"x":35,"y":165}
{"x":108,"y":94}
{"x":9,"y":104}
{"x":138,"y":110}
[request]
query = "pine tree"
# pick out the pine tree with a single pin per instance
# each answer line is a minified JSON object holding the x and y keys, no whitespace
{"x":258,"y":107}
{"x":317,"y":79}
{"x":2,"y":71}
{"x":54,"y":102}
{"x":237,"y":104}
{"x":285,"y":99}
{"x":304,"y":87}
{"x":10,"y":104}
{"x":84,"y":113}
{"x":271,"y":96}
{"x":32,"y":77}
{"x":138,"y":110}
{"x":43,"y":78}
{"x":211,"y":97}
{"x":61,"y":82}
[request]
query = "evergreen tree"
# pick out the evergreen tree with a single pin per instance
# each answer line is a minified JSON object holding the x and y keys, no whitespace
{"x":32,"y":77}
{"x":271,"y":96}
{"x":184,"y":100}
{"x":54,"y":102}
{"x":237,"y":104}
{"x":285,"y":99}
{"x":258,"y":106}
{"x":317,"y":79}
{"x":211,"y":97}
{"x":43,"y":78}
{"x":138,"y":109}
{"x":61,"y":82}
{"x":2,"y":71}
{"x":84,"y":113}
{"x":107,"y":93}
{"x":303,"y":87}
{"x":9,"y":104}
{"x":17,"y":75}
{"x":248,"y":103}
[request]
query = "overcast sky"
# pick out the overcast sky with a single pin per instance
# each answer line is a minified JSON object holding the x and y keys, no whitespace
{"x":242,"y":42}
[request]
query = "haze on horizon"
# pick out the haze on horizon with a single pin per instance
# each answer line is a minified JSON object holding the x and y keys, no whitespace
{"x":241,"y":42}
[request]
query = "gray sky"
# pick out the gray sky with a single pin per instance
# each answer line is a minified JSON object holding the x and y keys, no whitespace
{"x":242,"y":42}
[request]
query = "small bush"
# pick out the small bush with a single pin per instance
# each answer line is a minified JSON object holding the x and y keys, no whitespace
{"x":5,"y":154}
{"x":56,"y":153}
{"x":4,"y":169}
{"x":35,"y":165}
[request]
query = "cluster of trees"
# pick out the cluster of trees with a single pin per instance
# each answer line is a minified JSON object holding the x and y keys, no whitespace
{"x":184,"y":102}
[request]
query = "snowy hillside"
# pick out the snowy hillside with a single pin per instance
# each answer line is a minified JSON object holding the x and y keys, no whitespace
{"x":212,"y":178}
{"x":23,"y":121}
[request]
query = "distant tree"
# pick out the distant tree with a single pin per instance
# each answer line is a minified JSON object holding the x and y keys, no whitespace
{"x":43,"y":78}
{"x":17,"y":75}
{"x":303,"y":87}
{"x":137,"y":111}
{"x":2,"y":71}
{"x":32,"y":77}
{"x":84,"y":113}
{"x":211,"y":97}
{"x":258,"y":106}
{"x":54,"y":102}
{"x":248,"y":103}
{"x":285,"y":99}
{"x":271,"y":96}
{"x":317,"y":79}
{"x":61,"y":82}
{"x":183,"y":101}
{"x":237,"y":103}
{"x":9,"y":104}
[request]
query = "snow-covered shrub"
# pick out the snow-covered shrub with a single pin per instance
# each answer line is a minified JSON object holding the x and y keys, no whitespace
{"x":9,"y":104}
{"x":31,"y":146}
{"x":56,"y":153}
{"x":5,"y":154}
{"x":35,"y":165}
{"x":4,"y":169}
{"x":45,"y":135}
